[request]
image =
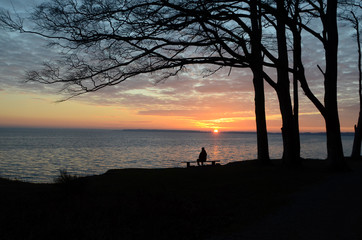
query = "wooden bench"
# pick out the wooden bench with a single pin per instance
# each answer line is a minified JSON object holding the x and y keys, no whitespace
{"x":213,"y":163}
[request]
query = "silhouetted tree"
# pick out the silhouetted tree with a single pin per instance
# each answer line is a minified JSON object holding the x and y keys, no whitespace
{"x":350,"y":15}
{"x":334,"y":140}
{"x":356,"y":150}
{"x":293,"y":10}
{"x":283,"y":87}
{"x":326,"y":12}
{"x":275,"y":14}
{"x":298,"y":12}
{"x":256,"y":65}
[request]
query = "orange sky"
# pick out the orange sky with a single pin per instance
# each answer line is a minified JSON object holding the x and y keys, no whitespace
{"x":24,"y":109}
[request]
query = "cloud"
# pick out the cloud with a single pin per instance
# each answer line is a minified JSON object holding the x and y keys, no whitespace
{"x":134,"y":122}
{"x":20,"y":54}
{"x":168,"y":112}
{"x":224,"y":86}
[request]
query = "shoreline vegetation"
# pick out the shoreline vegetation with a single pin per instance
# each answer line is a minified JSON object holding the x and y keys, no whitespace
{"x":171,"y":203}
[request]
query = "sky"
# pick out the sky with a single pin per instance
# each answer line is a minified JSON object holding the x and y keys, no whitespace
{"x":189,"y":101}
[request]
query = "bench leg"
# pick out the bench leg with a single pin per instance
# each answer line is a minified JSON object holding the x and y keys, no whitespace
{"x":188,"y":164}
{"x":213,"y":163}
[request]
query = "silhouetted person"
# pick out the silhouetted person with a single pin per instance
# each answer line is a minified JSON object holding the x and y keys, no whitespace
{"x":202,"y":157}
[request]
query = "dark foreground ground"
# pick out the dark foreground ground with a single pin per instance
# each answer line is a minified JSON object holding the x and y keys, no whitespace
{"x":237,"y":201}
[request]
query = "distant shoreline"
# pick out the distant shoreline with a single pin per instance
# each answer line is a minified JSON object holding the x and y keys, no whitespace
{"x":155,"y":130}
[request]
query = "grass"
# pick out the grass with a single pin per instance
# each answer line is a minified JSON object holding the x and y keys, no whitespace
{"x":173,"y":203}
{"x":64,"y":177}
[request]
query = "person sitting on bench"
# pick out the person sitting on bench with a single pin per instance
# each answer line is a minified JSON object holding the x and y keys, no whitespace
{"x":202,"y":157}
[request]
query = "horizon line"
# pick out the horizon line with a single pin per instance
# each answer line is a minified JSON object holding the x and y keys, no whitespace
{"x":156,"y":130}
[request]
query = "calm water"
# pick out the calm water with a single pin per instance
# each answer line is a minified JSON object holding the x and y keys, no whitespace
{"x":36,"y":155}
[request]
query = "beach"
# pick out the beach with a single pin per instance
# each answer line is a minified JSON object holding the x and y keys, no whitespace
{"x":222,"y":202}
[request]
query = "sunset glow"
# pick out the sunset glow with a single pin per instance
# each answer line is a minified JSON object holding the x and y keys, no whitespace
{"x":216,"y":131}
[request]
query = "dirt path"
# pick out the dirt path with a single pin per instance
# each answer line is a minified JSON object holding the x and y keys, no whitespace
{"x":329,"y":210}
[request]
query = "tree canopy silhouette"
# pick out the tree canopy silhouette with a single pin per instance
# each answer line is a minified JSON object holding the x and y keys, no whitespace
{"x":107,"y":42}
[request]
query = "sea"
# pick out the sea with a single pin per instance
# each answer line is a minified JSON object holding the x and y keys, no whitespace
{"x":37,"y":155}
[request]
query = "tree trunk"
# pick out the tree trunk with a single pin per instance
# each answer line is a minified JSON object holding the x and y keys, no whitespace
{"x":297,"y":61}
{"x":258,"y":81}
{"x":262,"y":134}
{"x":334,"y":142}
{"x":290,"y":153}
{"x":296,"y":118}
{"x":356,"y":149}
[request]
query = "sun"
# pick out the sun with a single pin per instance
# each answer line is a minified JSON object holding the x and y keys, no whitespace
{"x":216,"y":130}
